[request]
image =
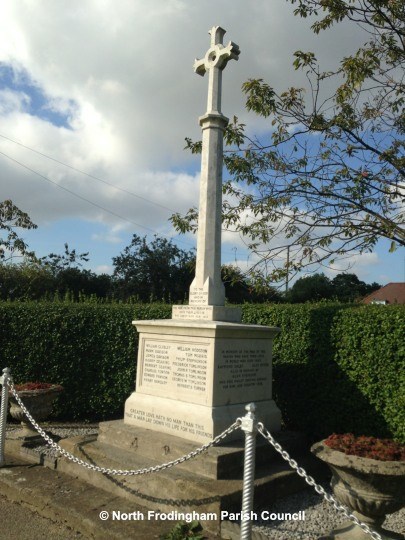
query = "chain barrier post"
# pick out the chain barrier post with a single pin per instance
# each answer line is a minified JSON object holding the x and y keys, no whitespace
{"x":3,"y":412}
{"x":249,"y":426}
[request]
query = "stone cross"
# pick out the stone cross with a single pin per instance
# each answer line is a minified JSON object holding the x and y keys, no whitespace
{"x":207,"y":288}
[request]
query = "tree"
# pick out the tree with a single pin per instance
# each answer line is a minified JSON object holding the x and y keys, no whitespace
{"x":25,"y":281}
{"x":328,"y":181}
{"x":155,"y":271}
{"x":11,"y":217}
{"x":239,"y":288}
{"x":77,"y":282}
{"x":310,"y":289}
{"x":69,"y":276}
{"x":348,"y":287}
{"x":67,"y":261}
{"x":343,"y":287}
{"x":31,"y":280}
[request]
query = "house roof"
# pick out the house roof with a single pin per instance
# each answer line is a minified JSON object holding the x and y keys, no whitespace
{"x":392,"y":293}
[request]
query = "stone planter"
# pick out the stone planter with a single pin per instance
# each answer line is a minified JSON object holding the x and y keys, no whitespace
{"x":369,"y":488}
{"x":38,"y":403}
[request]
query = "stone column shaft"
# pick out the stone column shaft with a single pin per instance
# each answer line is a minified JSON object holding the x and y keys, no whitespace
{"x":207,"y":287}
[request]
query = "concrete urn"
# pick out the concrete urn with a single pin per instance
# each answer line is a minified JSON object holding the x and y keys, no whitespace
{"x":369,"y":488}
{"x":38,"y":403}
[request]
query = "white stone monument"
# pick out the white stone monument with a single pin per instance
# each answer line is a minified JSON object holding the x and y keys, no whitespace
{"x":207,"y":292}
{"x":198,"y":370}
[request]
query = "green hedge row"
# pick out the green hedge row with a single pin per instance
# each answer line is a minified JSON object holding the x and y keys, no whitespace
{"x":336,"y":368}
{"x":90,"y":349}
{"x":370,"y":353}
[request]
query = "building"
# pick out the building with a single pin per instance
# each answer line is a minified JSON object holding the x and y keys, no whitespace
{"x":393,"y":293}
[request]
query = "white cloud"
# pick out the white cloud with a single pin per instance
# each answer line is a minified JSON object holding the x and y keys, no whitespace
{"x":12,"y":101}
{"x":361,"y":264}
{"x":110,"y":238}
{"x":121,"y":72}
{"x":104,"y":269}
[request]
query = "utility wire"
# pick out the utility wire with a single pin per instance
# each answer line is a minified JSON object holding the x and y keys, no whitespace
{"x":94,"y":178}
{"x":88,"y":174}
{"x":86,"y":200}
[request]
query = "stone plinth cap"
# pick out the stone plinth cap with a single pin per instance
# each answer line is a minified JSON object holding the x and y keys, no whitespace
{"x":206,"y":328}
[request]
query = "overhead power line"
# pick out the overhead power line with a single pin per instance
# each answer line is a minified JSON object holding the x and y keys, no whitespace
{"x":87,"y":200}
{"x":128,"y":192}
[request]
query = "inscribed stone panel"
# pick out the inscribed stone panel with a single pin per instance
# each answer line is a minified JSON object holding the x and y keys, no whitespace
{"x":175,"y":368}
{"x":243,"y":371}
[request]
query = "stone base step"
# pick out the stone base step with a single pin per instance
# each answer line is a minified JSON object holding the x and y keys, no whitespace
{"x":179,"y":489}
{"x":220,"y":462}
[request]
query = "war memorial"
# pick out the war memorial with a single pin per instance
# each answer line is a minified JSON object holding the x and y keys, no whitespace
{"x":197,"y":371}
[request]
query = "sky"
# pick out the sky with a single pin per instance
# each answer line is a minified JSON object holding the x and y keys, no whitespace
{"x":97,"y":97}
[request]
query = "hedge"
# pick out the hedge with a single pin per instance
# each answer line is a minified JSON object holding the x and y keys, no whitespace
{"x":337,"y":368}
{"x":370,"y":351}
{"x":90,"y":349}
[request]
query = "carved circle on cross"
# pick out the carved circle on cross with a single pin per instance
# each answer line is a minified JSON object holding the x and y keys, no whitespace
{"x":214,"y":58}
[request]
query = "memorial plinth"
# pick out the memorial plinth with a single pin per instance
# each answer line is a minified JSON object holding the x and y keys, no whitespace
{"x":194,"y":378}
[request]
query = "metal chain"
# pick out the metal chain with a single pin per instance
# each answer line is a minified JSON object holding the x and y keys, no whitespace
{"x":310,"y":481}
{"x":116,"y":472}
{"x":236,"y":425}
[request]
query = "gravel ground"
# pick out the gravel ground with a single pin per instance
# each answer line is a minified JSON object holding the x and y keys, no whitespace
{"x":56,"y":432}
{"x":320,"y":516}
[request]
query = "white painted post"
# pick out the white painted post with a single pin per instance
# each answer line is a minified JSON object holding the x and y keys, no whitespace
{"x":3,"y":412}
{"x":249,"y":426}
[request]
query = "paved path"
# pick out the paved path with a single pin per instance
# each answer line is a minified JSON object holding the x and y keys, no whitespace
{"x":66,"y":501}
{"x":20,"y":523}
{"x":37,"y":502}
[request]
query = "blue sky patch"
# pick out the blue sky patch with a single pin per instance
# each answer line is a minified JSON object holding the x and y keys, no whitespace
{"x":39,"y":104}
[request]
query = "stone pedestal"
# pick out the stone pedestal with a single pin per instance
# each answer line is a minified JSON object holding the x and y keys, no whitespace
{"x":194,"y":378}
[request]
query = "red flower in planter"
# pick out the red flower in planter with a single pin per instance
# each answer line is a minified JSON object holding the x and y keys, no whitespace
{"x":368,"y":447}
{"x":37,"y":386}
